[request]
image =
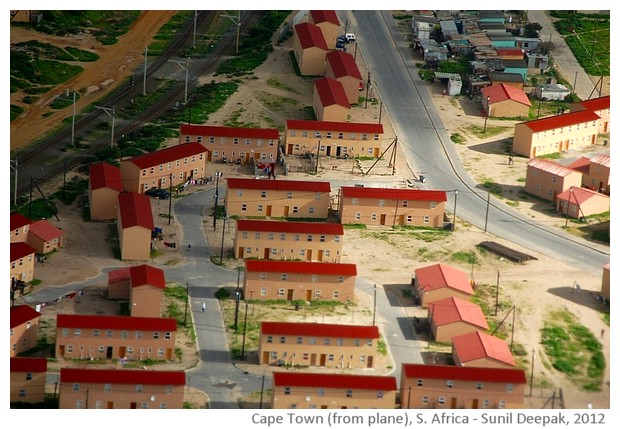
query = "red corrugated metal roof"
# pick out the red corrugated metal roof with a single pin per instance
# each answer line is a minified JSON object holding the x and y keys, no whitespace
{"x":336,"y":381}
{"x":343,"y":64}
{"x":601,"y":159}
{"x":20,"y":250}
{"x":166,"y":155}
{"x":130,"y":323}
{"x":119,"y":275}
{"x":501,"y":92}
{"x":217,"y":131}
{"x":147,"y":275}
{"x":550,"y":167}
{"x":393,"y":194}
{"x":21,"y":314}
{"x":319,"y":329}
{"x":319,"y":16}
{"x":579,"y":195}
{"x":103,"y":175}
{"x":478,"y":345}
{"x":283,"y":226}
{"x":299,"y":267}
{"x":45,"y":230}
{"x":18,"y":220}
{"x":135,"y":210}
{"x":331,"y":92}
{"x":452,"y":310}
{"x":561,"y":121}
{"x":335,"y":127}
{"x":509,"y":52}
{"x":582,"y":164}
{"x":28,"y":364}
{"x":464,"y":373}
{"x":310,"y":36}
{"x":279,"y":185}
{"x":596,"y":104}
{"x":122,"y":376}
{"x":440,"y":275}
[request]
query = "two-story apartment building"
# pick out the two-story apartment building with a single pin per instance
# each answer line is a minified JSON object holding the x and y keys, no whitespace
{"x":146,"y":292}
{"x":22,"y":262}
{"x":164,"y":168}
{"x":439,"y":281}
{"x":341,"y":66}
{"x":595,"y":172}
{"x":336,"y":139}
{"x":228,"y":144}
{"x":45,"y":237}
{"x":20,"y":225}
{"x":560,"y":133}
{"x":299,"y":390}
{"x":278,"y":198}
{"x":121,"y":389}
{"x":391,"y":206}
{"x":104,"y":185}
{"x":600,"y":106}
{"x":450,"y":317}
{"x":481,"y":350}
{"x":81,"y":336}
{"x":298,"y":280}
{"x":328,"y":23}
{"x":330,"y":100}
{"x":453,"y":387}
{"x":546,"y":179}
{"x":27,"y":379}
{"x":24,"y":321}
{"x":305,"y":241}
{"x":135,"y":225}
{"x":318,"y":345}
{"x":309,"y":48}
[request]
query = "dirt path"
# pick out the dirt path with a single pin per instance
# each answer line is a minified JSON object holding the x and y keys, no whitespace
{"x":98,"y":78}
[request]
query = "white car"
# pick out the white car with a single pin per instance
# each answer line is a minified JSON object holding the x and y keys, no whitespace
{"x":350,"y":37}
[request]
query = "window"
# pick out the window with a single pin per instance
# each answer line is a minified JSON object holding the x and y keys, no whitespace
{"x":244,"y":207}
{"x":314,"y":278}
{"x":144,"y":405}
{"x":300,"y":340}
{"x":340,"y":135}
{"x":77,"y":332}
{"x":420,"y":382}
{"x":107,"y":387}
{"x":28,"y":376}
{"x":501,"y":404}
{"x":284,"y":277}
{"x":263,"y":291}
{"x":309,"y":237}
{"x":295,"y":209}
{"x":269,"y":339}
{"x":123,"y":334}
{"x":95,"y":332}
{"x":373,"y":217}
{"x":354,"y":201}
{"x":356,"y":342}
{"x":509,"y":387}
{"x":155,"y":335}
{"x":335,"y":294}
{"x":312,"y":341}
{"x":479,"y":385}
{"x":486,"y":403}
{"x":257,"y":235}
{"x":293,"y":133}
{"x":160,"y":351}
{"x":263,"y":194}
{"x":450,"y":384}
{"x":168,"y":335}
{"x":138,"y":335}
{"x":379,"y":394}
{"x":282,"y":236}
{"x":425,"y":399}
{"x":409,"y":218}
{"x":336,"y":238}
{"x":282,"y":340}
{"x":281,"y":292}
{"x":326,"y":341}
{"x":340,"y":342}
{"x":65,"y":332}
{"x":358,"y":216}
{"x":270,"y":235}
{"x":381,"y":203}
{"x":322,"y":239}
{"x":349,"y":393}
{"x":433,"y":204}
{"x":287,"y":390}
{"x":441,"y":400}
{"x":311,"y":210}
{"x":426,"y":219}
{"x":75,"y":387}
{"x":129,"y":350}
{"x":330,"y":357}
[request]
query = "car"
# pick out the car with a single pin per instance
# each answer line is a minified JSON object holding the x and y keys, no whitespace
{"x":162,"y":194}
{"x":350,"y":37}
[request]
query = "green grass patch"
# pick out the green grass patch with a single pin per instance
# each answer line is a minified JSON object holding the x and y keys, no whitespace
{"x":16,"y":111}
{"x":555,"y":155}
{"x":457,"y":138}
{"x":491,"y":130}
{"x":464,"y":257}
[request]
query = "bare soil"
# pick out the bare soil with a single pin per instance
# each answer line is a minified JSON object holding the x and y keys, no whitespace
{"x":535,"y":288}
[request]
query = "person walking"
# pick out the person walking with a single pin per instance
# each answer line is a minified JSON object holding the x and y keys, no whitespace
{"x":204,"y":306}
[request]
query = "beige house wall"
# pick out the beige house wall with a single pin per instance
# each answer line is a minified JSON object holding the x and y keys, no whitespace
{"x":509,"y":109}
{"x":334,"y":143}
{"x":369,"y":211}
{"x":330,"y":398}
{"x":298,"y":287}
{"x":42,"y":246}
{"x":23,"y":268}
{"x":484,"y":362}
{"x":24,"y":337}
{"x":292,"y":247}
{"x":114,"y":344}
{"x":591,"y":206}
{"x":34,"y":389}
{"x":342,"y":353}
{"x":438,"y":294}
{"x":597,"y":179}
{"x":277,"y":203}
{"x":444,"y":334}
{"x":120,"y":396}
{"x":146,"y":301}
{"x":20,"y":235}
{"x":333,"y":113}
{"x":311,"y":61}
{"x":119,"y":290}
{"x":605,"y":283}
{"x":547,"y":185}
{"x":330,"y":32}
{"x":135,"y":243}
{"x":436,"y":394}
{"x":103,"y":203}
{"x":526,"y":142}
{"x":233,"y":148}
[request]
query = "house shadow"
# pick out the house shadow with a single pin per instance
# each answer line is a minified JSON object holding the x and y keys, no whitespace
{"x":495,"y":147}
{"x":584,"y":297}
{"x":437,"y":358}
{"x":399,"y":294}
{"x":407,"y":328}
{"x":471,"y":107}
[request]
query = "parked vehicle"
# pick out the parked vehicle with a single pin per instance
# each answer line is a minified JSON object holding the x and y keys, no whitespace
{"x":162,"y":194}
{"x":350,"y":37}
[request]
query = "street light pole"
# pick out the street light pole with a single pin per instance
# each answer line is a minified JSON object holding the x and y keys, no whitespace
{"x":245,"y":324}
{"x":108,"y":110}
{"x":486,"y":116}
{"x":570,"y":194}
{"x":374,"y":310}
{"x":454,"y":214}
{"x":15,"y":180}
{"x":217,"y":191}
{"x":186,"y":68}
{"x":222,"y":246}
{"x":237,"y":298}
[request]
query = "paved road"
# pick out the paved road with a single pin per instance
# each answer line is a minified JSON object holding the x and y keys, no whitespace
{"x":427,"y":147}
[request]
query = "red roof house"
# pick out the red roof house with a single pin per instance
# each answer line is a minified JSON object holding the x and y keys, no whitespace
{"x":505,"y":101}
{"x":104,"y":185}
{"x":28,"y":379}
{"x":309,"y":48}
{"x":342,"y":67}
{"x":24,"y":322}
{"x":481,"y":349}
{"x":22,"y":262}
{"x":579,"y":202}
{"x":600,"y":106}
{"x":135,"y":224}
{"x":45,"y":237}
{"x":119,"y":283}
{"x":330,"y":100}
{"x":441,"y":281}
{"x":328,"y":23}
{"x":453,"y":316}
{"x":146,"y":291}
{"x":20,"y":225}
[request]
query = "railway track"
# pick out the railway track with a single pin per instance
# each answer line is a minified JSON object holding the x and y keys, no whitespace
{"x":47,"y":159}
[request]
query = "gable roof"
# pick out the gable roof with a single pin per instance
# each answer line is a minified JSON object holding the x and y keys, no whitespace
{"x":20,"y":250}
{"x":166,"y":155}
{"x":393,"y":194}
{"x":464,"y":373}
{"x":582,"y":164}
{"x":284,"y":226}
{"x":343,"y":64}
{"x":310,"y":36}
{"x":336,"y":381}
{"x":18,"y":220}
{"x":453,"y":310}
{"x":299,"y":267}
{"x":319,"y":329}
{"x":502,"y":92}
{"x":319,"y":16}
{"x":28,"y":364}
{"x":217,"y":131}
{"x":104,"y":175}
{"x":561,"y":121}
{"x":145,"y":274}
{"x":478,"y":345}
{"x":122,"y":376}
{"x":578,"y":195}
{"x":601,"y":159}
{"x":279,"y":185}
{"x":331,"y":91}
{"x":596,"y":104}
{"x":334,"y":126}
{"x":45,"y":230}
{"x":135,"y":210}
{"x":21,"y":314}
{"x":130,"y":323}
{"x":438,"y":276}
{"x":550,"y":167}
{"x":119,"y":275}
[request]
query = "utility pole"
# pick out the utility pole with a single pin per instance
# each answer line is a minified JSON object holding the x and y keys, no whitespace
{"x":486,"y":217}
{"x":110,"y":112}
{"x":367,"y":89}
{"x":217,"y":191}
{"x":374,"y":310}
{"x":532,"y":372}
{"x":497,"y":294}
{"x":237,"y":21}
{"x":454,"y":214}
{"x":245,"y":324}
{"x":146,"y":50}
{"x":222,"y":246}
{"x":237,"y":298}
{"x":170,"y":201}
{"x":186,"y":68}
{"x":186,"y":303}
{"x":14,"y":168}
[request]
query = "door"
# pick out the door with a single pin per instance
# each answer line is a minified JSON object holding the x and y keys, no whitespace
{"x":265,"y":358}
{"x":382,"y":222}
{"x":401,"y":219}
{"x":474,"y":404}
{"x":309,"y":255}
{"x":328,"y":150}
{"x":286,"y":209}
{"x":309,"y":295}
{"x":289,"y":150}
{"x":289,"y":294}
{"x":240,"y":252}
{"x":108,"y":353}
{"x":61,"y":351}
{"x":110,"y":405}
{"x":338,"y":150}
{"x":133,"y":405}
{"x":121,"y":351}
{"x":312,"y":359}
{"x":375,"y":152}
{"x":453,"y":403}
{"x":266,"y":253}
{"x":269,"y":210}
{"x":369,"y":362}
{"x":168,"y":354}
{"x":319,"y":255}
{"x":323,"y":359}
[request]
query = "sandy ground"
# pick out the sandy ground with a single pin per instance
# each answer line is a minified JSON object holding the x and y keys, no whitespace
{"x":535,"y":288}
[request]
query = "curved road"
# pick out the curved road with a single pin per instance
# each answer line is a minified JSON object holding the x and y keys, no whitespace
{"x":427,"y":147}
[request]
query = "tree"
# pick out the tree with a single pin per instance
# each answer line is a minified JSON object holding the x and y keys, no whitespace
{"x":546,"y":47}
{"x":532,"y":29}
